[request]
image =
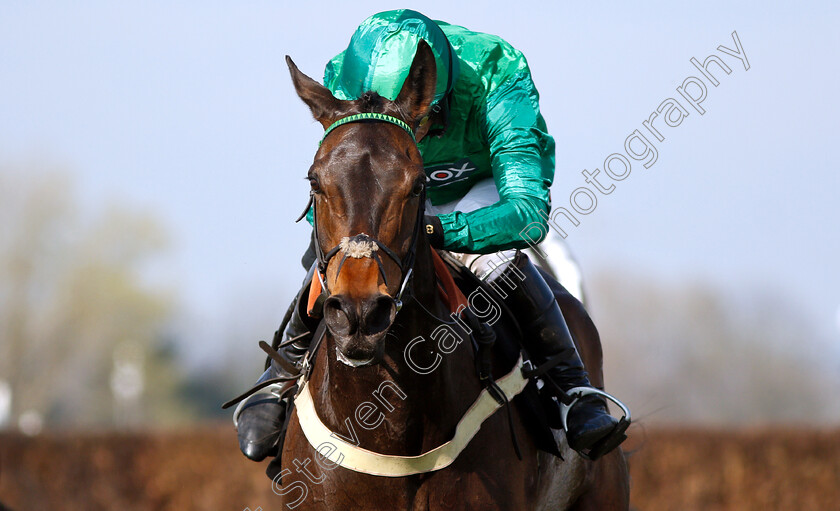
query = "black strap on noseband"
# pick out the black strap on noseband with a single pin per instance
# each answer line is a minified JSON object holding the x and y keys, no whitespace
{"x":406,"y":264}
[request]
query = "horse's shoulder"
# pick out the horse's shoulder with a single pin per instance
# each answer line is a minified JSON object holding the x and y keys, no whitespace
{"x":506,"y":352}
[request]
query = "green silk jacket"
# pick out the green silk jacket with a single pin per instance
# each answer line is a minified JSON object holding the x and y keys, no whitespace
{"x":495,"y":128}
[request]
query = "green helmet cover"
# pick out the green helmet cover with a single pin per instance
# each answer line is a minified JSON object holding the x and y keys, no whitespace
{"x":380,"y":54}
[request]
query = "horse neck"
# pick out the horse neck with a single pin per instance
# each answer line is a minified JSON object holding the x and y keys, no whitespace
{"x":418,"y":411}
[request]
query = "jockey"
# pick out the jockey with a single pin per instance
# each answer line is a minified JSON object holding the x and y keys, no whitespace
{"x":489,"y":163}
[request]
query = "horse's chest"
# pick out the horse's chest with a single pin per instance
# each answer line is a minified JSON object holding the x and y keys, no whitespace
{"x":443,"y":492}
{"x":466,"y":491}
{"x":486,"y":476}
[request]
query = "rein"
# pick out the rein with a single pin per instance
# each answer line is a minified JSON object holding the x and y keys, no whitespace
{"x":361,"y":245}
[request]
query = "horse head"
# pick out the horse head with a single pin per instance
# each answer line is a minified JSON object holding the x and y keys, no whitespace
{"x":368,"y":192}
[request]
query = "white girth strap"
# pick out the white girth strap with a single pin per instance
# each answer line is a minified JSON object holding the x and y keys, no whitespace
{"x":361,"y":460}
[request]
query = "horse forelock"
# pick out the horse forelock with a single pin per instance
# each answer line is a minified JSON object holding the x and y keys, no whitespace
{"x":372,"y":102}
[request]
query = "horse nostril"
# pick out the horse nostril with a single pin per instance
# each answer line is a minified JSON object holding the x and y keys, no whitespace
{"x":340,"y":316}
{"x":378,"y":314}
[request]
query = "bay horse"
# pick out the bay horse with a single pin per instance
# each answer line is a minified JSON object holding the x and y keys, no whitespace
{"x":368,"y":196}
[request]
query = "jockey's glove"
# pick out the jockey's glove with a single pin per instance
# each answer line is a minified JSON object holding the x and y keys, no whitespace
{"x":434,"y":231}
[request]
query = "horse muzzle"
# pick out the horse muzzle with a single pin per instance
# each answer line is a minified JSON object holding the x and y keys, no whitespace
{"x":359,"y":326}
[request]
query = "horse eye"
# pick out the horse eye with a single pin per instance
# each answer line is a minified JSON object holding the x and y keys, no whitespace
{"x":418,"y":188}
{"x":314,"y":184}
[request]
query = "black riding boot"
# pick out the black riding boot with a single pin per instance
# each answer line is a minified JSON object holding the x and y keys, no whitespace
{"x":546,"y":336}
{"x":261,"y":417}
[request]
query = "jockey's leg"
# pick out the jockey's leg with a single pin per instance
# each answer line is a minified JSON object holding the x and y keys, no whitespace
{"x":553,"y":256}
{"x":546,"y":337}
{"x":563,"y":275}
{"x":261,"y":417}
{"x":586,"y":336}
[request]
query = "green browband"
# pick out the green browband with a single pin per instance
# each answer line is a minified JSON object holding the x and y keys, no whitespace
{"x":369,"y":117}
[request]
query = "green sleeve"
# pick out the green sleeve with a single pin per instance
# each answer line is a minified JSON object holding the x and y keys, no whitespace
{"x":522,"y":160}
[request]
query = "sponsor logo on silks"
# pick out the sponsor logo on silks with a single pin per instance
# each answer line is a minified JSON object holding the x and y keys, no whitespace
{"x":448,"y":173}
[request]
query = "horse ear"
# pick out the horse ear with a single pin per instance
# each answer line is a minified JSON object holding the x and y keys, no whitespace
{"x":319,"y":99}
{"x":418,"y":90}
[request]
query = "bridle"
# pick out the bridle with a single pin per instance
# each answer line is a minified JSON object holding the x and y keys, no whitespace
{"x":362,"y":245}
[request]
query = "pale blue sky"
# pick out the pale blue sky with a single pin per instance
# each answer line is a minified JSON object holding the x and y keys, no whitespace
{"x":187,"y":110}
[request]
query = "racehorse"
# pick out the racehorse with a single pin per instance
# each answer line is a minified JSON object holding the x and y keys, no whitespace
{"x":368,"y":197}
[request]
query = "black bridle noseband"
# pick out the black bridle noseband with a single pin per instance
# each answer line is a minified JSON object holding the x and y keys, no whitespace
{"x":362,"y":245}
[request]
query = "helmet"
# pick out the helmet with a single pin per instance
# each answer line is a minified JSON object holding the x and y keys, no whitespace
{"x":381,"y":52}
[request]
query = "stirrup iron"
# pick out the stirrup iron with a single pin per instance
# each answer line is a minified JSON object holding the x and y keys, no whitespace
{"x":614,"y":438}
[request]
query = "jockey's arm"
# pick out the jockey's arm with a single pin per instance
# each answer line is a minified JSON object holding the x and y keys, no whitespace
{"x":522,"y":159}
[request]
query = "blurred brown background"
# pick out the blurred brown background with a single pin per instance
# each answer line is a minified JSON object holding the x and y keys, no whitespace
{"x":106,"y":420}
